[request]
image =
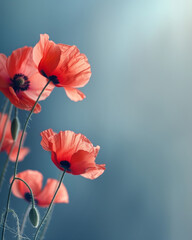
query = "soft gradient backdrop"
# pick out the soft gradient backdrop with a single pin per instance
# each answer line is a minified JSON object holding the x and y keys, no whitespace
{"x":138,"y":109}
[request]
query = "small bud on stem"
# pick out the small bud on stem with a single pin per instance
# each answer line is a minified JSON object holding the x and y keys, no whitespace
{"x":15,"y":128}
{"x":34,"y":217}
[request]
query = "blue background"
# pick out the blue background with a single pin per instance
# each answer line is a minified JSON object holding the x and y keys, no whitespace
{"x":138,"y":109}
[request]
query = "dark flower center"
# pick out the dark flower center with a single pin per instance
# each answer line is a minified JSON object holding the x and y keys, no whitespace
{"x":52,"y":78}
{"x":28,"y":197}
{"x":20,"y":82}
{"x":66,"y":165}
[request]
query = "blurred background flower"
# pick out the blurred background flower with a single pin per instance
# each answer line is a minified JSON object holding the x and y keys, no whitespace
{"x":137,"y":108}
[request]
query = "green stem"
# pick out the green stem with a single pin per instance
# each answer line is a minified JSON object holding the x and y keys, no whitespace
{"x":25,"y":219}
{"x":8,"y":201}
{"x":33,"y":201}
{"x":48,"y":219}
{"x":25,"y":126}
{"x":5,"y":126}
{"x":50,"y":206}
{"x":16,"y":162}
{"x":46,"y":224}
{"x":5,"y":166}
{"x":4,"y":109}
{"x":16,"y":112}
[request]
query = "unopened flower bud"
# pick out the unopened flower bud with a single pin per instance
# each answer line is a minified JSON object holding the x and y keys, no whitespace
{"x":34,"y":217}
{"x":15,"y":128}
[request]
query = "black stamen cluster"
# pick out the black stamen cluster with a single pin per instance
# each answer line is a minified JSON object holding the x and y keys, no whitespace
{"x":20,"y":82}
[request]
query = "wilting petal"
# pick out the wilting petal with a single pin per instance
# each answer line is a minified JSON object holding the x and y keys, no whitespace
{"x":95,"y":172}
{"x":33,"y":178}
{"x":21,"y":61}
{"x":44,"y":198}
{"x":4,"y":76}
{"x":74,"y":94}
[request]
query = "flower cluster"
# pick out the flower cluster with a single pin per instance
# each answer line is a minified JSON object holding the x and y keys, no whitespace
{"x":28,"y":76}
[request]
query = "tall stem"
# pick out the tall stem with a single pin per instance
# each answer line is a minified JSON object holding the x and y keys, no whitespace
{"x":4,"y":109}
{"x":16,"y":162}
{"x":25,"y":126}
{"x":25,"y":219}
{"x":5,"y":126}
{"x":50,"y":206}
{"x":5,"y":166}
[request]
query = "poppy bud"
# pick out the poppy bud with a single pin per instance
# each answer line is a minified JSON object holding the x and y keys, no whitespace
{"x":34,"y":217}
{"x":15,"y":128}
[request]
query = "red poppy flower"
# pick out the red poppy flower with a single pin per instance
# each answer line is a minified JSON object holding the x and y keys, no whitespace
{"x":8,"y":141}
{"x":20,"y":80}
{"x":43,"y":196}
{"x":73,"y":153}
{"x":64,"y":65}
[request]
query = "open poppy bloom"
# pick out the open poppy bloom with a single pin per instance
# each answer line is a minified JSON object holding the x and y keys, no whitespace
{"x":20,"y":80}
{"x":64,"y":65}
{"x":43,"y":196}
{"x":8,"y":141}
{"x":73,"y":153}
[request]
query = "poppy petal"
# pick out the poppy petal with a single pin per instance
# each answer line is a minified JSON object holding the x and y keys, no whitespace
{"x":22,"y":154}
{"x":39,"y":48}
{"x":46,"y":136}
{"x":37,"y":83}
{"x":95,"y":172}
{"x":21,"y":61}
{"x":81,"y":161}
{"x":50,"y":59}
{"x":2,"y":123}
{"x":21,"y":100}
{"x":74,"y":69}
{"x":10,"y":94}
{"x":44,"y":198}
{"x":4,"y":76}
{"x":74,"y":94}
{"x":25,"y":102}
{"x":16,"y":189}
{"x":33,"y":178}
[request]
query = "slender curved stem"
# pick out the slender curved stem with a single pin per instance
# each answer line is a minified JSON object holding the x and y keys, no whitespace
{"x":4,"y":109}
{"x":50,"y":206}
{"x":7,"y":207}
{"x":16,"y":112}
{"x":25,"y":219}
{"x":46,"y":224}
{"x":48,"y":219}
{"x":5,"y":166}
{"x":25,"y":126}
{"x":33,"y":201}
{"x":5,"y":126}
{"x":16,"y":162}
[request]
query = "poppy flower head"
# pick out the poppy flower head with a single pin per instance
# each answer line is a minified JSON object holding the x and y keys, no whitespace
{"x":20,"y":80}
{"x":8,"y":141}
{"x":64,"y":65}
{"x":43,"y":196}
{"x":73,"y":153}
